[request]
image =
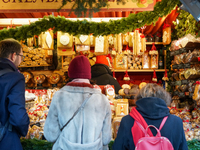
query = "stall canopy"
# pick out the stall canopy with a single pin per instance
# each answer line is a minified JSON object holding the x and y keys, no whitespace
{"x":151,"y":29}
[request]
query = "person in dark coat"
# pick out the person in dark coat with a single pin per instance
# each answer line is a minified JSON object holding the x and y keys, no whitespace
{"x":102,"y":75}
{"x":151,"y":103}
{"x":12,"y":99}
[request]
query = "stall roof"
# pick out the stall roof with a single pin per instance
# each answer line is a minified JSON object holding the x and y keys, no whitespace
{"x":65,"y":14}
{"x":102,"y":14}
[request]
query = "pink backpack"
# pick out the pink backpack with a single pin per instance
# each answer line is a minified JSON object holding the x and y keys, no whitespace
{"x":157,"y":142}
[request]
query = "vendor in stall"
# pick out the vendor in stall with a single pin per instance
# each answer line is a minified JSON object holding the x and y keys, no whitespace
{"x":101,"y":73}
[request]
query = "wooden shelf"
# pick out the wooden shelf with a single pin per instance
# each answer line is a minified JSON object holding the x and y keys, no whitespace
{"x":142,"y":70}
{"x":156,"y":43}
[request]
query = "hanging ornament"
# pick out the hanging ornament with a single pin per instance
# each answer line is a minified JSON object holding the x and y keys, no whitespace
{"x":127,"y":50}
{"x":166,"y":34}
{"x":153,"y":50}
{"x":113,"y":51}
{"x":154,"y":57}
{"x":126,"y":76}
{"x":48,"y":39}
{"x":165,"y":78}
{"x":83,"y":38}
{"x":154,"y":79}
{"x":64,"y":39}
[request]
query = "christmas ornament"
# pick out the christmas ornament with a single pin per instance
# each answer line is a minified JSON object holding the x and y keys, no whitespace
{"x":165,"y":78}
{"x":64,"y":39}
{"x":153,"y":50}
{"x":83,"y":38}
{"x":48,"y":39}
{"x":154,"y":79}
{"x":166,"y":34}
{"x":126,"y":76}
{"x":154,"y":57}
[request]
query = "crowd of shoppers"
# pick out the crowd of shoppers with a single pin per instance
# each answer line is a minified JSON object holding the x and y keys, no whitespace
{"x":80,"y":115}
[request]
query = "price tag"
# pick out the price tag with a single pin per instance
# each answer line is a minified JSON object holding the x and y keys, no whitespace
{"x":181,"y":94}
{"x":172,"y":83}
{"x":184,"y":82}
{"x":187,"y":65}
{"x":172,"y":53}
{"x":178,"y":83}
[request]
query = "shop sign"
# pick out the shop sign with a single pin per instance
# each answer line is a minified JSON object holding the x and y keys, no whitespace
{"x":54,"y":5}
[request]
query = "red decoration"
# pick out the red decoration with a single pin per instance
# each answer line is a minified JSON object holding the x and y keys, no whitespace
{"x":153,"y":47}
{"x":127,"y":47}
{"x":126,"y":76}
{"x":197,"y":82}
{"x":142,"y":36}
{"x":165,"y":78}
{"x":154,"y":79}
{"x":166,"y":25}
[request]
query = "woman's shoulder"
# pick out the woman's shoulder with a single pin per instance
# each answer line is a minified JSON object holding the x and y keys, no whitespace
{"x":173,"y":119}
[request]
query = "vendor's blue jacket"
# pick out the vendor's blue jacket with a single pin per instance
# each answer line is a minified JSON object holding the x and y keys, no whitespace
{"x":12,"y":106}
{"x":153,"y":111}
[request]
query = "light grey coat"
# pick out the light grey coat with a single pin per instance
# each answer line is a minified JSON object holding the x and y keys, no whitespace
{"x":90,"y":129}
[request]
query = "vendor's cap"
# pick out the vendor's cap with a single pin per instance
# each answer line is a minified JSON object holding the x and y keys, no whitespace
{"x":79,"y":68}
{"x":101,"y":59}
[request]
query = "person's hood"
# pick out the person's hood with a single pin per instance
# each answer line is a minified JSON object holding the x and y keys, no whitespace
{"x":100,"y":69}
{"x":152,"y":107}
{"x":6,"y":63}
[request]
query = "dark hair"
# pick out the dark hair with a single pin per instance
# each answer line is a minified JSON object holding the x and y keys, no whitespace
{"x":9,"y":46}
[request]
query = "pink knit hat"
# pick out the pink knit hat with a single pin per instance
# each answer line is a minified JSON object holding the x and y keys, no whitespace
{"x":79,"y":67}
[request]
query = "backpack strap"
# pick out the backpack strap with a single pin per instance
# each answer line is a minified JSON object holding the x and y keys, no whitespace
{"x":163,"y":122}
{"x":158,"y":130}
{"x":141,"y":127}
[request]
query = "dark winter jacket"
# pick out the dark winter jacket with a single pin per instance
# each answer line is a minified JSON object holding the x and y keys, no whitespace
{"x":102,"y":75}
{"x":153,"y":111}
{"x":12,"y":106}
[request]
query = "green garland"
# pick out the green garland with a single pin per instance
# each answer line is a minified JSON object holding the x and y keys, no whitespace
{"x":133,"y":21}
{"x":187,"y":24}
{"x":35,"y":144}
